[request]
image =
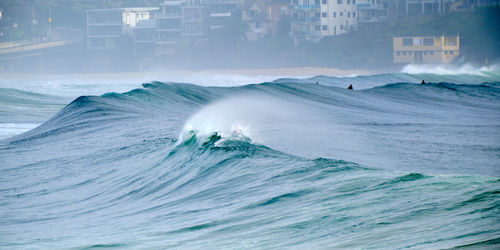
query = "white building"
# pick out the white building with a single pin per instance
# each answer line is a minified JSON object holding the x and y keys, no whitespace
{"x":338,"y":17}
{"x":313,"y":19}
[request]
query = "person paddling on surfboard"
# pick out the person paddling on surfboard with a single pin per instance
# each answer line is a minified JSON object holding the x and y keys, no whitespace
{"x":423,"y":82}
{"x":350,"y":87}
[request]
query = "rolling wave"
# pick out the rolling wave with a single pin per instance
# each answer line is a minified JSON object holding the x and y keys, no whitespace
{"x":287,"y":164}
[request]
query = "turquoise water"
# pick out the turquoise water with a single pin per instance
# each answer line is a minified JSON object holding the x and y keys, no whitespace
{"x":283,"y":164}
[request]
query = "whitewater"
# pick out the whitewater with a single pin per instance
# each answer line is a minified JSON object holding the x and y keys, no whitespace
{"x":260,"y":162}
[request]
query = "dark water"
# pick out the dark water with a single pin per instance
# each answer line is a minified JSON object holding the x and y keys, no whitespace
{"x":287,"y":164}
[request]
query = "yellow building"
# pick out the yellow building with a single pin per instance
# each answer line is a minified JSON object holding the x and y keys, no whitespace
{"x":426,"y":49}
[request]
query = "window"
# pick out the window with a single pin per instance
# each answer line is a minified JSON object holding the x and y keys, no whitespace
{"x":451,"y":52}
{"x":446,"y":52}
{"x":425,"y":52}
{"x":341,"y":27}
{"x":428,"y":41}
{"x":348,"y":14}
{"x":316,"y":2}
{"x":407,"y":42}
{"x":257,"y":25}
{"x":341,"y":13}
{"x":324,"y":1}
{"x":409,"y":53}
{"x":323,"y":14}
{"x":431,"y":52}
{"x":398,"y":53}
{"x":317,"y":14}
{"x":353,"y":14}
{"x":353,"y":1}
{"x":317,"y":27}
{"x":252,"y":13}
{"x":324,"y":27}
{"x":404,"y":53}
{"x":348,"y":1}
{"x":339,"y":1}
{"x":334,"y":14}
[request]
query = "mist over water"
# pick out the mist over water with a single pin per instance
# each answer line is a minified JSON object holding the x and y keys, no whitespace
{"x":242,"y":161}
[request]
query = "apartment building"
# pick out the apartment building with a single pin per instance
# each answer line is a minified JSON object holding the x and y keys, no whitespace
{"x":338,"y":17}
{"x":222,"y":13}
{"x":313,"y":19}
{"x":194,"y":21}
{"x":305,"y":20}
{"x":105,"y":27}
{"x":373,"y":13}
{"x":426,"y":49}
{"x":428,"y":7}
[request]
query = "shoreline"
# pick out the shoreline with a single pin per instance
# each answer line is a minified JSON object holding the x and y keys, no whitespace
{"x":297,"y":72}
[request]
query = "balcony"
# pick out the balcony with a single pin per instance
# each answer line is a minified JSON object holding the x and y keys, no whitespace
{"x":305,"y":19}
{"x":367,"y":6}
{"x":306,"y":7}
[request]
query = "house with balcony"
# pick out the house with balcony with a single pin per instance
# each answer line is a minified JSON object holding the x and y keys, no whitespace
{"x":255,"y":15}
{"x":313,"y":19}
{"x":168,"y":27}
{"x":305,"y":20}
{"x":144,"y":37}
{"x":426,"y":49}
{"x":428,"y":7}
{"x":105,"y":27}
{"x":338,"y":17}
{"x":372,"y":14}
{"x":194,"y":21}
{"x":223,"y":13}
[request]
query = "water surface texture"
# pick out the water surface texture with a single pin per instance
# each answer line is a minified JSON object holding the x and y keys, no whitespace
{"x":285,"y":164}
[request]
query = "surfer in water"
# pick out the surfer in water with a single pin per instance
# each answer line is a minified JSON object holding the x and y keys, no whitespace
{"x":423,"y":82}
{"x":350,"y":87}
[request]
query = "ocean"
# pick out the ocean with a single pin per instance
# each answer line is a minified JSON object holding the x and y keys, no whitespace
{"x":257,"y":162}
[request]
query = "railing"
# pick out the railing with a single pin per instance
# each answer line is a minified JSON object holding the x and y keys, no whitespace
{"x":367,"y":6}
{"x":312,"y":6}
{"x":305,"y":19}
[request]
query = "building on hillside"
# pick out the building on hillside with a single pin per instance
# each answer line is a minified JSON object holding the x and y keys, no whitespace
{"x":144,"y":37}
{"x":305,"y":20}
{"x":222,"y":13}
{"x":311,"y":20}
{"x":265,"y":18}
{"x":428,"y":7}
{"x":372,"y":14}
{"x":426,"y":49}
{"x":194,"y":21}
{"x":254,"y":14}
{"x":105,"y":27}
{"x":179,"y":23}
{"x":461,"y":5}
{"x":338,"y":17}
{"x":279,"y":14}
{"x":168,"y":27}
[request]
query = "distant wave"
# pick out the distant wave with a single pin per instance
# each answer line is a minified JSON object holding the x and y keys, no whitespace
{"x":443,"y":69}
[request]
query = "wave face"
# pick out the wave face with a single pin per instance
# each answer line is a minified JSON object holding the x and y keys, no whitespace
{"x":284,"y":164}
